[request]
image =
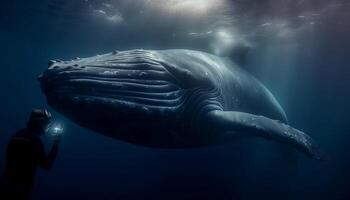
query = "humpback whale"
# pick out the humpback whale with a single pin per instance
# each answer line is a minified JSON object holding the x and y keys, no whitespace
{"x":168,"y":99}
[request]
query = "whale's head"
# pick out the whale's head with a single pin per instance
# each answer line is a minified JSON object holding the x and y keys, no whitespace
{"x":107,"y":93}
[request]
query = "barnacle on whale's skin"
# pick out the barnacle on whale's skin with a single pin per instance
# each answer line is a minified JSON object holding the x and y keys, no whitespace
{"x":168,"y":99}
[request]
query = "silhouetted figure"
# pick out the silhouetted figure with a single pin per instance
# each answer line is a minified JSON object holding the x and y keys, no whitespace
{"x":25,"y":152}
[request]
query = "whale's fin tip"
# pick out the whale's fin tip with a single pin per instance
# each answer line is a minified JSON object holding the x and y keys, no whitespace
{"x":320,"y":155}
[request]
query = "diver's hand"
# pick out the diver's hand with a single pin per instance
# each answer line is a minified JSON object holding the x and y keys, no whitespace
{"x":57,"y":138}
{"x":56,"y":132}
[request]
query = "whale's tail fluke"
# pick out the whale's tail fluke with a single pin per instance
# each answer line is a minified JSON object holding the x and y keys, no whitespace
{"x":232,"y":121}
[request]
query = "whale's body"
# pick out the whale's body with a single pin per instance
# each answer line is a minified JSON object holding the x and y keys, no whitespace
{"x":168,"y":99}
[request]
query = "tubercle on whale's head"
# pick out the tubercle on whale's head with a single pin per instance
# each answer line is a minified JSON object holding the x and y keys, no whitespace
{"x":57,"y":72}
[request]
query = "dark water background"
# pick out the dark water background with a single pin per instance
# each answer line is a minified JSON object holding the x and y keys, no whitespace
{"x":298,"y":49}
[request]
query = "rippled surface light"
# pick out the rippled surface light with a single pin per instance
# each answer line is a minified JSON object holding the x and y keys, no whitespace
{"x":222,"y":42}
{"x":193,"y":7}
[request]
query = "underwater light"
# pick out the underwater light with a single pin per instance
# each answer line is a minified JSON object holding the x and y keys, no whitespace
{"x":57,"y":129}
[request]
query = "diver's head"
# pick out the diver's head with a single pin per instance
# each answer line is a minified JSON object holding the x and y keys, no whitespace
{"x":38,"y":121}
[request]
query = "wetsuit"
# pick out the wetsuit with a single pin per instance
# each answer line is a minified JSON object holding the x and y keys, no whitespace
{"x":25,"y":152}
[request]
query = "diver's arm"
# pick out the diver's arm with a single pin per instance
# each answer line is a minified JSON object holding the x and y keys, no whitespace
{"x":46,"y":161}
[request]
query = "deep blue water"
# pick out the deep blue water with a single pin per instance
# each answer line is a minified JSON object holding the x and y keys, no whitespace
{"x":298,"y":49}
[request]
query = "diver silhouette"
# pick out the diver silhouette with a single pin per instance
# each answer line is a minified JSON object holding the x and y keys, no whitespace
{"x":25,"y":152}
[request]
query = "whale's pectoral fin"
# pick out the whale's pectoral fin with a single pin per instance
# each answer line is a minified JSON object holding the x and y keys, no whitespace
{"x":267,"y":128}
